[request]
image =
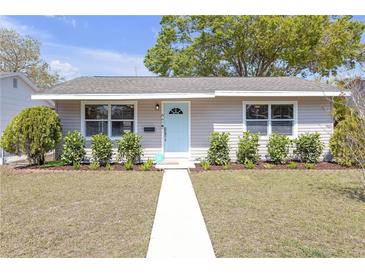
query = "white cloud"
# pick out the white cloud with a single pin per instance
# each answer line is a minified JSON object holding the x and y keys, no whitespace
{"x":90,"y":61}
{"x":72,"y":61}
{"x":65,"y":69}
{"x":6,"y":22}
{"x":67,"y":20}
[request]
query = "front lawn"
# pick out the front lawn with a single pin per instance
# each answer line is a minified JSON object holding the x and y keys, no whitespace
{"x":283,"y":213}
{"x":77,"y":214}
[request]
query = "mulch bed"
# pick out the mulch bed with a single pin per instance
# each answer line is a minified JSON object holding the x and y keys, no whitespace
{"x":233,"y":166}
{"x":83,"y":167}
{"x":261,"y":165}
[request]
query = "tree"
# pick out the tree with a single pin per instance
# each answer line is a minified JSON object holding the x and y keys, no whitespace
{"x":33,"y":132}
{"x":348,"y":140}
{"x":22,"y":54}
{"x":255,"y":45}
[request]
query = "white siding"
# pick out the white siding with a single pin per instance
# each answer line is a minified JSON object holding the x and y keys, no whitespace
{"x":208,"y":115}
{"x":12,"y":101}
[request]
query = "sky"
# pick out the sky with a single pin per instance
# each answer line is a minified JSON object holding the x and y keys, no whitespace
{"x":90,"y":45}
{"x":93,"y":45}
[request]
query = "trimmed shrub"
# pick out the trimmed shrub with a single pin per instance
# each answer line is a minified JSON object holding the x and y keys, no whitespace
{"x":308,"y":147}
{"x":278,"y":148}
{"x":73,"y":148}
{"x":249,"y":164}
{"x":293,"y":165}
{"x":218,"y":153}
{"x":248,"y":148}
{"x":341,"y":141}
{"x":146,"y":166}
{"x":205,"y":164}
{"x":101,"y":149}
{"x":33,"y":132}
{"x":129,"y":147}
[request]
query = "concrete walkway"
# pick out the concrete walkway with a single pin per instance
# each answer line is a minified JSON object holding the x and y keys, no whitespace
{"x":179,"y":229}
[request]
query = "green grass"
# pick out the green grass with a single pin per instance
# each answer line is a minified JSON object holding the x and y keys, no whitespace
{"x":77,"y":214}
{"x":288,"y":213}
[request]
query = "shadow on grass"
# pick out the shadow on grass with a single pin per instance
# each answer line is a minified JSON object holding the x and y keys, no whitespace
{"x":352,"y":192}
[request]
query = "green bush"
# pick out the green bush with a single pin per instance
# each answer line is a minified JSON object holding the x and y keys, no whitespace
{"x":341,"y":144}
{"x":226,"y":166}
{"x":129,"y":147}
{"x":205,"y":164}
{"x":109,"y":167}
{"x":218,"y":153}
{"x":309,"y":165}
{"x":76,"y":165}
{"x":94,"y":165}
{"x":73,"y":148}
{"x":293,"y":165}
{"x":249,"y":164}
{"x":278,"y":148}
{"x":101,"y":149}
{"x":308,"y":147}
{"x":128,"y":165}
{"x":248,"y":148}
{"x":33,"y":132}
{"x":146,"y":166}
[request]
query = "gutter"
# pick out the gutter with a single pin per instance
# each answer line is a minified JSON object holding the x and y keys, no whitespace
{"x":217,"y":93}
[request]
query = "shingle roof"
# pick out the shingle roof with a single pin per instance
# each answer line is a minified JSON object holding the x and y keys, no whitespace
{"x":135,"y":85}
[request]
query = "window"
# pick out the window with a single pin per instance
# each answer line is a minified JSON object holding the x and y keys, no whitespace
{"x":176,"y":111}
{"x":266,"y":118}
{"x":122,"y":119}
{"x":113,"y":119}
{"x":15,"y":83}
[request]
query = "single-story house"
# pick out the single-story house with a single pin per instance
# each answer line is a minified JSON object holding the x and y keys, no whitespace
{"x":176,"y":115}
{"x":15,"y":95}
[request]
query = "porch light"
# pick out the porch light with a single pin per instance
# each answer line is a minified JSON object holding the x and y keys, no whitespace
{"x":157,"y":107}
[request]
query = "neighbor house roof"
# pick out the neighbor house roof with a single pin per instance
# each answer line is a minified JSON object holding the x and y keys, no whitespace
{"x":110,"y":87}
{"x":20,"y":75}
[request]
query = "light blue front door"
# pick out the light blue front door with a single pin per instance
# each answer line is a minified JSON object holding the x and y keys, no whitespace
{"x":176,"y":130}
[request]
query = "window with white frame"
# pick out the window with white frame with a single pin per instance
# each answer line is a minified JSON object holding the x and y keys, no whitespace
{"x":112,"y":119}
{"x":267,"y":118}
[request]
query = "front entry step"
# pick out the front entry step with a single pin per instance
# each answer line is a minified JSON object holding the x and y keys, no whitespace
{"x":175,"y":164}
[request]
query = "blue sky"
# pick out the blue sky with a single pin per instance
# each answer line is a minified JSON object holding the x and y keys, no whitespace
{"x":93,"y":45}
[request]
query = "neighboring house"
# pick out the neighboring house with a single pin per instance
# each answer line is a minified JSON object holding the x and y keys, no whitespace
{"x":175,"y":116}
{"x":15,"y":95}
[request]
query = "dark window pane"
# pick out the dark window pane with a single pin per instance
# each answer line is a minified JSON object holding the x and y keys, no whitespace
{"x":121,"y":127}
{"x":258,"y":127}
{"x":95,"y":127}
{"x":283,"y":127}
{"x":122,"y":112}
{"x":257,"y":111}
{"x":97,"y":112}
{"x":176,"y":111}
{"x":282,"y":111}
